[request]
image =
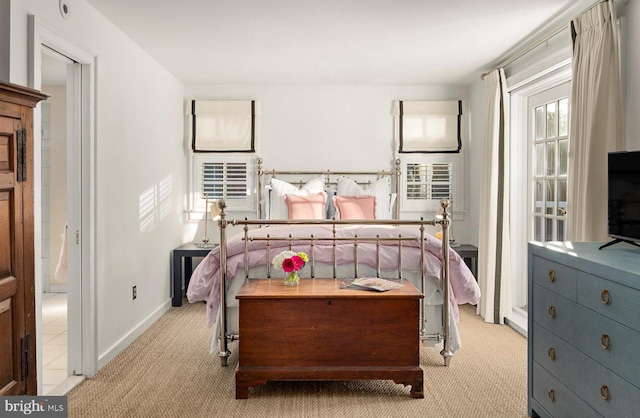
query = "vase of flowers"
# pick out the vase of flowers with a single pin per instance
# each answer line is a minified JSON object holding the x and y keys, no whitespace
{"x":290,"y":262}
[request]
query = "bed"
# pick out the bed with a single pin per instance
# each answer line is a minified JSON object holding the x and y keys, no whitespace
{"x":358,"y":240}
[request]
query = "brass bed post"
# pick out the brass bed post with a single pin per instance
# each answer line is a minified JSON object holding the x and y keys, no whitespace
{"x":423,"y":282}
{"x":446,"y":306}
{"x":397,"y":201}
{"x":259,"y":188}
{"x":224,"y":352}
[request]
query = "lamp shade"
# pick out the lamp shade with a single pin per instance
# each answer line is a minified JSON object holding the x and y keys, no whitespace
{"x":215,"y":211}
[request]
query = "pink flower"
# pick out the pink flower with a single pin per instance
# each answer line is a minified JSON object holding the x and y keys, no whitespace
{"x":287,"y":265}
{"x":298,"y":262}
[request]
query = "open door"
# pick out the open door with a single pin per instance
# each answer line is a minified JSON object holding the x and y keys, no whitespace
{"x":17,"y":286}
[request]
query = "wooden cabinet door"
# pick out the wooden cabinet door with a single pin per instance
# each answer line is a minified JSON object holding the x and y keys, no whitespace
{"x":12,"y":303}
{"x":17,"y":282}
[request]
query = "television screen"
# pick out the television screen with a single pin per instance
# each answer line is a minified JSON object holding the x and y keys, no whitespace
{"x":624,"y":195}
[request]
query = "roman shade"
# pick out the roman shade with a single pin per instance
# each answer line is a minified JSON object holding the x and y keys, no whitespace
{"x":428,"y":126}
{"x":223,"y":125}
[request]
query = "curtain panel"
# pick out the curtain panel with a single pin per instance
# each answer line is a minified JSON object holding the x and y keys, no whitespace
{"x":596,"y":125}
{"x":493,"y":241}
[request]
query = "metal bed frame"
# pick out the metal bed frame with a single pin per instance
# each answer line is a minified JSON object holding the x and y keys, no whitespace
{"x":444,"y":221}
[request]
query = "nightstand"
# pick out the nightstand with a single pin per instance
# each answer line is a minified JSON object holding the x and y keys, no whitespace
{"x":470,"y":255}
{"x":187,"y":252}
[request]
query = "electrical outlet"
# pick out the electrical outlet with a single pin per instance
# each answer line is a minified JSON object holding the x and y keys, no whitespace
{"x":135,"y":292}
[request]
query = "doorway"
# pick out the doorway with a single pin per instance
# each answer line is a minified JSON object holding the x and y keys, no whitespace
{"x":77,"y":69}
{"x":53,"y":206}
{"x":539,"y":144}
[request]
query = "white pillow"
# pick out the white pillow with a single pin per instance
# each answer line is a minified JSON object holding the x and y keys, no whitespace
{"x":278,"y":207}
{"x":381,"y":189}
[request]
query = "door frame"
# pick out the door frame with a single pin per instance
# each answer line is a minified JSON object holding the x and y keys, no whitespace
{"x":82,"y":303}
{"x":520,"y":170}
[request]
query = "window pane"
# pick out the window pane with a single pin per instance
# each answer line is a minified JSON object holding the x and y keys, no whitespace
{"x":538,"y":198}
{"x":562,"y":196}
{"x":552,"y":121}
{"x":563,"y":117}
{"x":561,"y":233}
{"x":539,"y":130}
{"x":537,"y":228}
{"x":551,"y":158}
{"x":551,"y":195}
{"x":539,"y":159}
{"x":549,"y":230}
{"x":563,"y":157}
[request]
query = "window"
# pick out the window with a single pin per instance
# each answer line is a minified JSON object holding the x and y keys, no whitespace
{"x":550,"y":168}
{"x":222,"y":176}
{"x":427,"y":179}
{"x":220,"y":180}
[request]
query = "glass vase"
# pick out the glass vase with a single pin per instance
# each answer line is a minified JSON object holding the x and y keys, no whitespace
{"x":292,"y":279}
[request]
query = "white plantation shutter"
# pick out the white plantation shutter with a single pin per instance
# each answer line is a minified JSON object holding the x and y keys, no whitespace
{"x":429,"y":181}
{"x":223,"y":180}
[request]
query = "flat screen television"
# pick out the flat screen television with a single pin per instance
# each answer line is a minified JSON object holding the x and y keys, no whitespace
{"x":624,"y":197}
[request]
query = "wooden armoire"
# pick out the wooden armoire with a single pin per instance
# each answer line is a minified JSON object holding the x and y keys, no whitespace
{"x":17,"y":282}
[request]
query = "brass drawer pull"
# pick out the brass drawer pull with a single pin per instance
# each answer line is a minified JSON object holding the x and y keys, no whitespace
{"x":552,"y":275}
{"x":551,"y":353}
{"x":605,"y":297}
{"x":605,"y":342}
{"x":552,"y":396}
{"x":551,"y":311}
{"x":604,"y":392}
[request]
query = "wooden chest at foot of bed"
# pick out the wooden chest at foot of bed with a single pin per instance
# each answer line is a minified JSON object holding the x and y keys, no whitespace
{"x":318,"y":331}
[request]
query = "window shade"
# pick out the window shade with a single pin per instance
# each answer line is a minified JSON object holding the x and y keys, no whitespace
{"x":428,"y":126}
{"x":223,"y":125}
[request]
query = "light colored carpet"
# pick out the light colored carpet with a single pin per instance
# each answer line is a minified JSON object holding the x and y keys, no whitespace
{"x":168,"y":372}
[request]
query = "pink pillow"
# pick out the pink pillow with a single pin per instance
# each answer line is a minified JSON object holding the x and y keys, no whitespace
{"x":306,"y":207}
{"x":355,"y":207}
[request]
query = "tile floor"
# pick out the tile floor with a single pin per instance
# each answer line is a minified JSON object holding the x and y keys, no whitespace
{"x":54,"y":340}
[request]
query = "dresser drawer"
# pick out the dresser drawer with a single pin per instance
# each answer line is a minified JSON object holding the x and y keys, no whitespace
{"x":612,"y":300}
{"x":556,"y":398}
{"x":609,"y":343}
{"x":584,"y":377}
{"x":555,"y":277}
{"x":555,"y":355}
{"x":554,"y":312}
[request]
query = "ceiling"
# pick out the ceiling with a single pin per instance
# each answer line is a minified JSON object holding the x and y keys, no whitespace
{"x":367,"y":42}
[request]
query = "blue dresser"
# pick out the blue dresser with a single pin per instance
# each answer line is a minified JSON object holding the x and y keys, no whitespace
{"x":584,"y":330}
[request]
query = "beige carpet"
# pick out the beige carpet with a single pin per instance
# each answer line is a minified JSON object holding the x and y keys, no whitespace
{"x":168,"y":372}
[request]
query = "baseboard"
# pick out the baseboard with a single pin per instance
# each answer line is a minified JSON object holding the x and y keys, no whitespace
{"x":518,"y":321}
{"x":57,"y":288}
{"x":124,"y":342}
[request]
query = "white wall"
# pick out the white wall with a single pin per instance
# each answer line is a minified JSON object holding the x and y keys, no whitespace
{"x":632,"y":71}
{"x":5,"y":28}
{"x":477,"y":104}
{"x":321,"y":127}
{"x":139,"y":163}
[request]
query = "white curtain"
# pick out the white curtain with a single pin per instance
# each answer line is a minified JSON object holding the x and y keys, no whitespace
{"x":493,"y":249}
{"x":596,"y":126}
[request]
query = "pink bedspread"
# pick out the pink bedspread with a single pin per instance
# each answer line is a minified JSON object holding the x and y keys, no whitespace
{"x":205,"y":281}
